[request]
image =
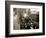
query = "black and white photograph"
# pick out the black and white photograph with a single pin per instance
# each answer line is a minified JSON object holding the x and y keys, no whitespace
{"x":24,"y":18}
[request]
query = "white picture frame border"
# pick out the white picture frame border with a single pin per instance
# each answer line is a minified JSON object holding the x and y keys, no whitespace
{"x":12,"y":32}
